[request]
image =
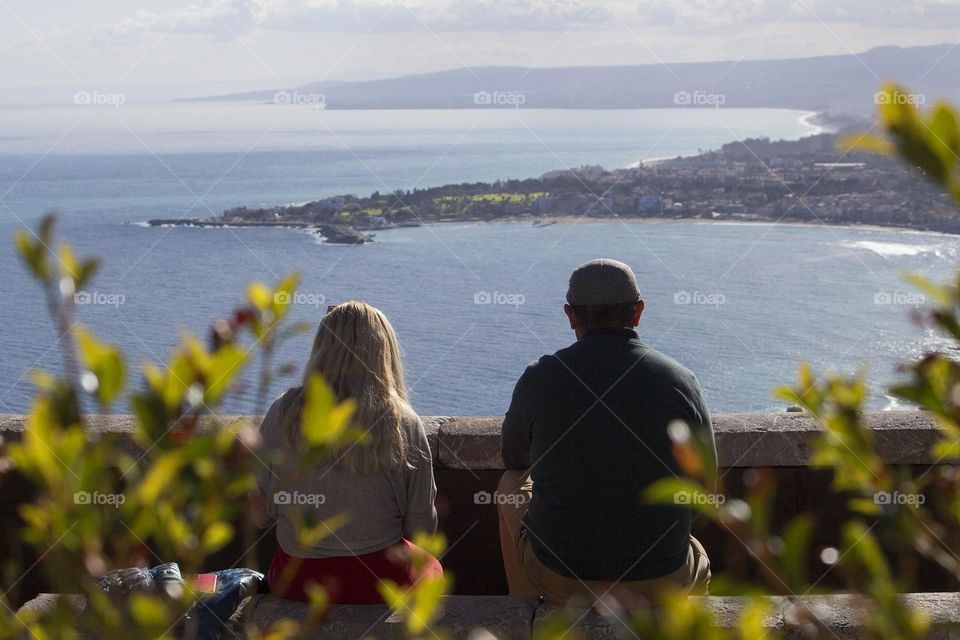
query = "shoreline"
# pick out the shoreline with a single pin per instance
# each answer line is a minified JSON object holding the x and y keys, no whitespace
{"x":808,"y":120}
{"x":571,"y":219}
{"x":541,"y":222}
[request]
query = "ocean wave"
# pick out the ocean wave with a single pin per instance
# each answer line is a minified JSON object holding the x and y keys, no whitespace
{"x":896,"y":404}
{"x":892,"y":249}
{"x":315,"y":236}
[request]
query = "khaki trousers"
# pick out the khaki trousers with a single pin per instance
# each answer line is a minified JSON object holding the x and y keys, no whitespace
{"x":527,"y":576}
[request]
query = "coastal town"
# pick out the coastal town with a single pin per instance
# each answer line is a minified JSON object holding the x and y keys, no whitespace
{"x":811,"y":180}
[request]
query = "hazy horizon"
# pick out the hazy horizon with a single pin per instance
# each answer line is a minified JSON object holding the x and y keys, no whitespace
{"x":151,"y":51}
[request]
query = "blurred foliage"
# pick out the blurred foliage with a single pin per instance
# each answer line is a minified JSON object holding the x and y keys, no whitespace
{"x":173,"y":490}
{"x":895,"y":518}
{"x":929,"y":142}
{"x":182,"y":492}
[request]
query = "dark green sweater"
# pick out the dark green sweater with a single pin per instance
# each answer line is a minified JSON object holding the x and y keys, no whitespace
{"x":591,"y":423}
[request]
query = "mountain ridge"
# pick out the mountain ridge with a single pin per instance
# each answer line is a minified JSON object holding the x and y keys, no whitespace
{"x":844,"y":83}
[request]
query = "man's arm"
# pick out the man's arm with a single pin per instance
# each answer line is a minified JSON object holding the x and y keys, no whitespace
{"x":517,"y":427}
{"x":704,"y":428}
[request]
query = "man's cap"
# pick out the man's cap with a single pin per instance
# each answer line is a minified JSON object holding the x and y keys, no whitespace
{"x":602,"y":282}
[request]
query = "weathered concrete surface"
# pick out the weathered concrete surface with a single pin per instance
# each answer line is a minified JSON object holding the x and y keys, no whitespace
{"x":345,"y":622}
{"x":743,"y":439}
{"x":431,"y":424}
{"x":506,"y":618}
{"x":783,"y":439}
{"x":842,"y":614}
{"x":471,"y":443}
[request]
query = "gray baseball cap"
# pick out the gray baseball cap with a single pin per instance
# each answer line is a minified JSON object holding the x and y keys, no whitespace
{"x":602,"y":282}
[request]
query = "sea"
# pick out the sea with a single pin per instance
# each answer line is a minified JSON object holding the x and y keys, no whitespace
{"x":742,"y":305}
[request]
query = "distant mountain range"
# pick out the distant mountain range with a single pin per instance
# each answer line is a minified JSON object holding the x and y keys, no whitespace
{"x":837,"y":83}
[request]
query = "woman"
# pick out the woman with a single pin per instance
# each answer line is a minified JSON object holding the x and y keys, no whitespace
{"x":384,"y":486}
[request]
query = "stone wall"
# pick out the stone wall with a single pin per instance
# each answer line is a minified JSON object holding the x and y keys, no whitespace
{"x":506,"y":618}
{"x":467,"y":460}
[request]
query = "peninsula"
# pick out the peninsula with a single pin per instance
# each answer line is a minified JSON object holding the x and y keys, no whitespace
{"x":806,"y":180}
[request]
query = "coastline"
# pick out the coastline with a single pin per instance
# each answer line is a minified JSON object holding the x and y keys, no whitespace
{"x":806,"y":118}
{"x":809,"y":120}
{"x":547,"y":200}
{"x":572,"y":219}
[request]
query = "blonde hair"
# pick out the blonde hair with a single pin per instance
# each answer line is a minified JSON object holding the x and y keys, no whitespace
{"x":357,"y":353}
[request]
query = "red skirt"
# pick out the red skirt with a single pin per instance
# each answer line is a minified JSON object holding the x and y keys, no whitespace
{"x":350,"y":579}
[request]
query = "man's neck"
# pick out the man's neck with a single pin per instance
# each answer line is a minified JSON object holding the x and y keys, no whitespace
{"x":627,"y":332}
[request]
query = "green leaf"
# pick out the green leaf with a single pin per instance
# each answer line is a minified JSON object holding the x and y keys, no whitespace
{"x":260,"y":296}
{"x":864,"y":142}
{"x":309,"y":535}
{"x":427,"y":594}
{"x":866,"y":506}
{"x":216,"y":536}
{"x":434,"y":544}
{"x":796,"y":542}
{"x":149,"y":611}
{"x":162,"y":473}
{"x":225,"y":364}
{"x":283,"y":293}
{"x":393,"y":595}
{"x":931,"y":289}
{"x":861,"y":548}
{"x":324,"y":421}
{"x":683,"y":492}
{"x":105,"y":363}
{"x":945,"y":134}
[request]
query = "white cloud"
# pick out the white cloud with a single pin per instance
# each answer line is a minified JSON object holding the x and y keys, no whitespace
{"x":248,"y":40}
{"x":229,"y":18}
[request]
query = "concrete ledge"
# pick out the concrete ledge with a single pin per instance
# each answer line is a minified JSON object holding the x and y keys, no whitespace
{"x":743,"y":439}
{"x":503,"y":616}
{"x":509,"y":618}
{"x":842,"y":614}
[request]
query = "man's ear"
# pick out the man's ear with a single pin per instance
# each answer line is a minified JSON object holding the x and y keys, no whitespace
{"x":567,"y":309}
{"x":637,"y":312}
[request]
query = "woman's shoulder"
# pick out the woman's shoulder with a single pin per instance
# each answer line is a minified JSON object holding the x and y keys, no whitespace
{"x":414,"y":430}
{"x":409,"y":418}
{"x":271,"y":427}
{"x":285,"y":399}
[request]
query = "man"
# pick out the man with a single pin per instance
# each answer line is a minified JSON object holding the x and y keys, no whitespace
{"x":585,"y":435}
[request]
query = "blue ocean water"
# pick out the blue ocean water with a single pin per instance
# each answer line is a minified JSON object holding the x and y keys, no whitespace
{"x":741,"y":305}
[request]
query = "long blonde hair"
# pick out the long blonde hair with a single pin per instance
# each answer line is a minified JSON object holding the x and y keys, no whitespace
{"x":357,"y":353}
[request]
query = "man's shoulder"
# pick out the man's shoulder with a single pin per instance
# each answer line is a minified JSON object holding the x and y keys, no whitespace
{"x":544,"y":365}
{"x":669,"y":368}
{"x":660,"y":359}
{"x":650,"y":361}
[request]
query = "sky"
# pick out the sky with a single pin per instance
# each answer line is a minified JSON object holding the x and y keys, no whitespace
{"x":162,"y":50}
